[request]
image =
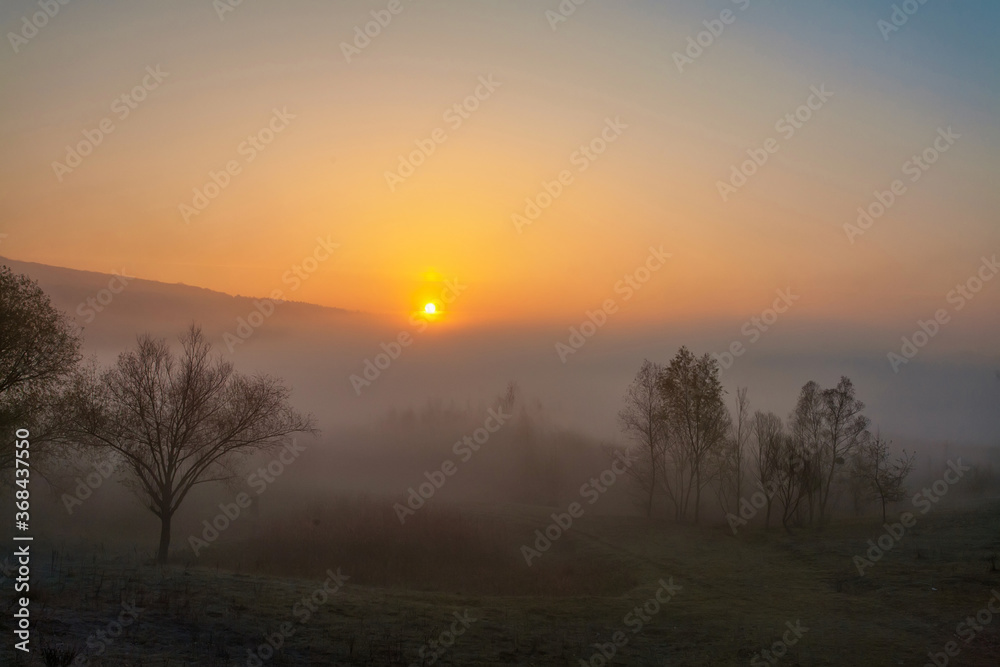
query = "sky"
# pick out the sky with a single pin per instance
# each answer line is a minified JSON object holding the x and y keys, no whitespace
{"x":309,"y":118}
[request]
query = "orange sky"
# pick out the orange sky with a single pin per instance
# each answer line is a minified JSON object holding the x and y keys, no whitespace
{"x":324,"y":173}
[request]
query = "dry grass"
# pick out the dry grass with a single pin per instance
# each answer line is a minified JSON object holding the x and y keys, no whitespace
{"x":737,"y":592}
{"x":453,"y":550}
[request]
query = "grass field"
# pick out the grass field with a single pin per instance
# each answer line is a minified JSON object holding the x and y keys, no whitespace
{"x":406,"y":585}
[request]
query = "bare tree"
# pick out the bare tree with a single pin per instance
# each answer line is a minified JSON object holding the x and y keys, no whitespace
{"x":696,"y":416}
{"x":793,"y":478}
{"x":768,"y":433}
{"x":883,"y":477}
{"x":176,"y":421}
{"x":39,"y":348}
{"x":508,"y":399}
{"x":642,"y":420}
{"x":858,"y":488}
{"x":673,"y":474}
{"x":845,"y":427}
{"x":732,"y":459}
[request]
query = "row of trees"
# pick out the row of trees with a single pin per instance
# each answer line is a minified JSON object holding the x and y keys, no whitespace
{"x":171,"y":419}
{"x":689,"y":441}
{"x":175,"y":419}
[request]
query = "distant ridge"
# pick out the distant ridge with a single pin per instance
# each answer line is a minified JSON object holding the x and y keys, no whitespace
{"x":48,"y":273}
{"x":112,"y":316}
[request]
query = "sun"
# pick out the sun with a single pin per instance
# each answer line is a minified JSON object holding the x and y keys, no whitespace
{"x":430,"y":309}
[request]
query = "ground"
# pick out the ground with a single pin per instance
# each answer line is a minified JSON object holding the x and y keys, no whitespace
{"x":732,"y":596}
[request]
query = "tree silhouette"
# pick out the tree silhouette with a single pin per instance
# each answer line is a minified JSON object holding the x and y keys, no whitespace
{"x":696,"y":416}
{"x":845,"y":427}
{"x":39,"y":348}
{"x":768,"y":433}
{"x":806,"y":424}
{"x":883,"y":476}
{"x":642,"y":420}
{"x":179,"y":421}
{"x":732,"y":458}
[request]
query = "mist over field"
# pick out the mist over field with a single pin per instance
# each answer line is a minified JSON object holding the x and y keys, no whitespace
{"x":583,"y":333}
{"x":396,"y":489}
{"x":947,"y":396}
{"x":368,"y":491}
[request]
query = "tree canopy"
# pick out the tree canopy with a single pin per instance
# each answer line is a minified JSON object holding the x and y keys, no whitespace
{"x":39,"y":349}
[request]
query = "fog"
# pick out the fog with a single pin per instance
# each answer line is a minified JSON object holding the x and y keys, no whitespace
{"x":379,"y":435}
{"x":936,"y":397}
{"x":437,"y":475}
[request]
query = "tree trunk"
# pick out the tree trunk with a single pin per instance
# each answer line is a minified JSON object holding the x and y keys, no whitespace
{"x":697,"y":495}
{"x":652,"y":486}
{"x":824,"y":494}
{"x":164,"y":539}
{"x":686,"y":478}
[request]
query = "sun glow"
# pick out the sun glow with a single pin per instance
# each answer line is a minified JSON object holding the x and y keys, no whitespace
{"x":430,"y":309}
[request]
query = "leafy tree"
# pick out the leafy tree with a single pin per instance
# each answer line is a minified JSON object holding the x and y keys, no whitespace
{"x":845,"y":428}
{"x":807,"y":431}
{"x":39,"y":348}
{"x":176,"y":421}
{"x":696,"y":417}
